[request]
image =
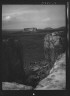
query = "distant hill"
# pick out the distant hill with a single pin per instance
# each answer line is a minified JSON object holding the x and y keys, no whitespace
{"x":61,"y":28}
{"x":48,"y":29}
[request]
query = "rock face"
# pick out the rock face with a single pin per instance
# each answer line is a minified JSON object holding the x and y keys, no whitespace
{"x":56,"y":80}
{"x":14,"y":86}
{"x":53,"y":46}
{"x":51,"y":40}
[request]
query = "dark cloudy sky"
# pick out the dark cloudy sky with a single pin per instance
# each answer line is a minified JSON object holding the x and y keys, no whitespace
{"x":40,"y":16}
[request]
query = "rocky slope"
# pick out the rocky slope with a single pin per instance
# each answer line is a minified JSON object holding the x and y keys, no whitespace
{"x":56,"y":80}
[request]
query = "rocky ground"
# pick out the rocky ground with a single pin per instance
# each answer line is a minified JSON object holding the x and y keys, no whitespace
{"x":14,"y":86}
{"x":56,"y":80}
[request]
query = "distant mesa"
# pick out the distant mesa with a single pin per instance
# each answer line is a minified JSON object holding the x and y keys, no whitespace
{"x":30,"y":29}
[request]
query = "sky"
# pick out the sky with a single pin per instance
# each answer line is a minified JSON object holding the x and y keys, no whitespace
{"x":28,"y":16}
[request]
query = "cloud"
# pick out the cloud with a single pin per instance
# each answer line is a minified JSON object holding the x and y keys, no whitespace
{"x":18,"y":14}
{"x":34,"y":16}
{"x":6,"y":18}
{"x":46,"y":19}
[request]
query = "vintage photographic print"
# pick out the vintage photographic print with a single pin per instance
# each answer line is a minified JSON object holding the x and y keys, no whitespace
{"x":34,"y":47}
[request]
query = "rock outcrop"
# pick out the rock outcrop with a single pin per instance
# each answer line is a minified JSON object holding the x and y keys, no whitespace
{"x":56,"y":80}
{"x":53,"y":46}
{"x":14,"y":86}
